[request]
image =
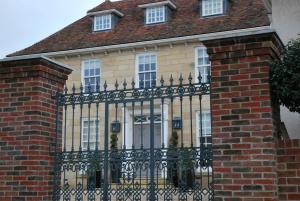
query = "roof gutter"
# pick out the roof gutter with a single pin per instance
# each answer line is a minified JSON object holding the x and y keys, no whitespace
{"x":201,"y":37}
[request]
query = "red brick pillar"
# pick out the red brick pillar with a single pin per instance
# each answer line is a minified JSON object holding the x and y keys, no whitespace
{"x":27,"y":127}
{"x":288,"y":163}
{"x":244,"y":127}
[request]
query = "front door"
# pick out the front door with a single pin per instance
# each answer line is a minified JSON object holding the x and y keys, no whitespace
{"x":142,"y":136}
{"x":142,"y":140}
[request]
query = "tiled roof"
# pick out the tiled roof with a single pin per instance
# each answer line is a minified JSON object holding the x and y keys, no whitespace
{"x":185,"y":21}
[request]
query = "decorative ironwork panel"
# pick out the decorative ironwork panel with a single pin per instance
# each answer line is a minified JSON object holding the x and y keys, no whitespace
{"x":134,"y":143}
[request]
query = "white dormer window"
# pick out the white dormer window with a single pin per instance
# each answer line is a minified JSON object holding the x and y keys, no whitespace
{"x":158,"y":12}
{"x":212,"y":7}
{"x":105,"y":19}
{"x":102,"y":22}
{"x":155,"y":15}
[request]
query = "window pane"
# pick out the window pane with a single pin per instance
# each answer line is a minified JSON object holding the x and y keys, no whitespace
{"x":147,"y":59}
{"x":93,"y":81}
{"x":153,"y":83}
{"x":86,"y":72}
{"x":92,"y":72}
{"x":141,"y":67}
{"x":153,"y":76}
{"x":147,"y":76}
{"x":141,"y":77}
{"x":147,"y":84}
{"x":153,"y":66}
{"x":86,"y":81}
{"x":201,"y":61}
{"x":141,"y":59}
{"x":97,"y":71}
{"x":147,"y":67}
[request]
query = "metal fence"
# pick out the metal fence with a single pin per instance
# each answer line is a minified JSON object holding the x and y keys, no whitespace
{"x":134,"y":143}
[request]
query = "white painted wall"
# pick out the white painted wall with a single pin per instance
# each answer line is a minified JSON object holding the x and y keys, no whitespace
{"x":286,"y":21}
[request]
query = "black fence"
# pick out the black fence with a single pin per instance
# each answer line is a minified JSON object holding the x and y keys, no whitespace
{"x":135,"y":143}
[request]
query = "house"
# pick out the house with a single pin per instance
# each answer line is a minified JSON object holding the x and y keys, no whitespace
{"x":285,"y":17}
{"x":142,"y":40}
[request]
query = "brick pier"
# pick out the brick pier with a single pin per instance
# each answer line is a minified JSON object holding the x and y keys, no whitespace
{"x":244,"y":118}
{"x":27,"y":127}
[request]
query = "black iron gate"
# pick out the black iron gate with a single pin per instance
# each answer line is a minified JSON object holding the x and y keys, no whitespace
{"x":134,"y":143}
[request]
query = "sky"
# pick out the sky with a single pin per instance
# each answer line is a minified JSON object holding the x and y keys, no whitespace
{"x":25,"y":22}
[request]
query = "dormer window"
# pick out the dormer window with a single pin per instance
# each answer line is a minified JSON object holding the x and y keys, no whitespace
{"x":106,"y":19}
{"x":213,"y":7}
{"x":157,"y":12}
{"x":155,"y":15}
{"x":102,"y":22}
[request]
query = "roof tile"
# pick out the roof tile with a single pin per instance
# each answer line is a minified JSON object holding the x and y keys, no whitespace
{"x":185,"y":21}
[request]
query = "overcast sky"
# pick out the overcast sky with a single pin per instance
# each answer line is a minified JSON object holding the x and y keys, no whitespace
{"x":25,"y":22}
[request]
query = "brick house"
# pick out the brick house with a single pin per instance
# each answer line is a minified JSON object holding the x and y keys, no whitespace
{"x":142,"y":40}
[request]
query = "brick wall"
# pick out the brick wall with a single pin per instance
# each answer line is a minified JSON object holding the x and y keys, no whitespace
{"x":27,"y":127}
{"x":288,"y":163}
{"x":244,"y":124}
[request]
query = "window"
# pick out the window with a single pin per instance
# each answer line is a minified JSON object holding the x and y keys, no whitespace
{"x":102,"y":22}
{"x":91,"y":74}
{"x":204,"y":128}
{"x":155,"y":15}
{"x":89,"y":131}
{"x":203,"y":64}
{"x":212,"y":7}
{"x":146,"y":66}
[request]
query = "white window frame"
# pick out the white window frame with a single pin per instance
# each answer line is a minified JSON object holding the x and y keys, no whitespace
{"x":83,"y":73}
{"x":204,"y":67}
{"x":198,"y":126}
{"x":198,"y":135}
{"x":214,"y":10}
{"x":82,"y":133}
{"x":137,"y":80}
{"x":103,"y":26}
{"x":155,"y":18}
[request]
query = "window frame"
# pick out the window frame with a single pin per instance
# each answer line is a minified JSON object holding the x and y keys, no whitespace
{"x":198,"y":126}
{"x":83,"y":77}
{"x":197,"y":65}
{"x":203,"y":14}
{"x":103,"y":29}
{"x":83,"y":119}
{"x":147,"y":19}
{"x":207,"y":170}
{"x":137,"y":71}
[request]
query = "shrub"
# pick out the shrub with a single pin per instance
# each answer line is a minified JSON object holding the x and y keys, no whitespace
{"x":285,"y":76}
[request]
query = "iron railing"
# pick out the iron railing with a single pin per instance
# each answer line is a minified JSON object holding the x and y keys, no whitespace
{"x":134,"y":143}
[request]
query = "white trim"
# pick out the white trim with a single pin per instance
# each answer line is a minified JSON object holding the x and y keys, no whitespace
{"x":104,"y":12}
{"x":162,"y":3}
{"x":201,"y":37}
{"x":82,"y":71}
{"x":137,"y":82}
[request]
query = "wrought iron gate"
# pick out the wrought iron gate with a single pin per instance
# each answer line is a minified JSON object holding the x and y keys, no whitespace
{"x":106,"y":151}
